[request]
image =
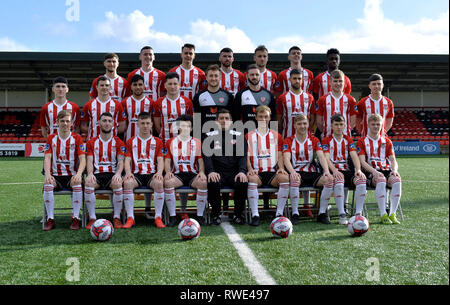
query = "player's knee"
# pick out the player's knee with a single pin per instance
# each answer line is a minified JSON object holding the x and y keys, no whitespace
{"x":253,"y":179}
{"x":129,"y":184}
{"x":283,"y":178}
{"x":379,"y":179}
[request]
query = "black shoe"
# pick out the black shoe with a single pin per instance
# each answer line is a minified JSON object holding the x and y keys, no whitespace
{"x":323,"y":218}
{"x":216,"y":221}
{"x":172,"y":221}
{"x":201,"y":220}
{"x":255,"y":221}
{"x":295,"y":219}
{"x":147,"y":213}
{"x":238,"y":220}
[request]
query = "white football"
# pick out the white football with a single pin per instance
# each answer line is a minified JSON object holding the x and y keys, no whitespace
{"x":102,"y":230}
{"x":281,"y":227}
{"x":358,"y":225}
{"x":188,"y":229}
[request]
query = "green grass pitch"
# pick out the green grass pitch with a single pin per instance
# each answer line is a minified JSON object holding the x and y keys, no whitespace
{"x":415,"y":252}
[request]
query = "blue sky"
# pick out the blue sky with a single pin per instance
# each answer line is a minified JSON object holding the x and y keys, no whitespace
{"x":353,"y":26}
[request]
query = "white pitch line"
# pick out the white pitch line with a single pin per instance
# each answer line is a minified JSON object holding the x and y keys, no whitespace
{"x":260,"y":274}
{"x":20,"y":183}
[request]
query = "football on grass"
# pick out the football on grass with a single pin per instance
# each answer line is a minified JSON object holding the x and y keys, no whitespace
{"x":102,"y":230}
{"x":189,"y":229}
{"x":358,"y":225}
{"x":281,"y":227}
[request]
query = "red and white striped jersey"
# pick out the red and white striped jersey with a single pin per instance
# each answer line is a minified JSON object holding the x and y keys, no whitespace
{"x":169,"y":111}
{"x":302,"y":153}
{"x":283,"y":84}
{"x":50,"y":111}
{"x":132,"y":107}
{"x":144,"y":154}
{"x":368,"y":106}
{"x":105,"y":153}
{"x":377,"y":151}
{"x":191,"y":81}
{"x":328,"y":105}
{"x":233,"y":81}
{"x":339,"y":151}
{"x":94,"y":108}
{"x":289,"y":105}
{"x":65,"y":153}
{"x":118,"y":88}
{"x":322,"y":84}
{"x":153,"y":82}
{"x":263,"y":150}
{"x":184,"y":154}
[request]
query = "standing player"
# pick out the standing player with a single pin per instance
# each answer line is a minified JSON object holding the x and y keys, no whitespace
{"x":268,"y":78}
{"x":339,"y":149}
{"x":119,"y":84}
{"x":336,"y":101}
{"x":292,"y":103}
{"x":299,"y":154}
{"x":247,"y":100}
{"x":144,"y":166}
{"x":167,"y":109}
{"x":283,"y":81}
{"x":322,"y":82}
{"x":102,"y":103}
{"x":64,"y":163}
{"x":184,"y":167}
{"x":192,"y":79}
{"x":226,"y":165}
{"x":50,"y":111}
{"x":208,"y":102}
{"x":265,"y":162}
{"x":153,"y":78}
{"x":104,"y":166}
{"x":377,"y":156}
{"x":375,"y":103}
{"x":232,"y":80}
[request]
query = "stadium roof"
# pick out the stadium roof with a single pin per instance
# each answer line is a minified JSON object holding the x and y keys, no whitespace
{"x":31,"y":71}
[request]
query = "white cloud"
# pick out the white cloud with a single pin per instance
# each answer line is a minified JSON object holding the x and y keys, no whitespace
{"x":7,"y":44}
{"x":136,"y":30}
{"x":377,"y":34}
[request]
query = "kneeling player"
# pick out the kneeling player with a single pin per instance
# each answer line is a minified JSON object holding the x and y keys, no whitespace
{"x":64,"y":163}
{"x":144,"y":165}
{"x":104,"y":166}
{"x":299,"y":160}
{"x":184,"y":167}
{"x":377,"y":156}
{"x":337,"y":149}
{"x":265,"y":162}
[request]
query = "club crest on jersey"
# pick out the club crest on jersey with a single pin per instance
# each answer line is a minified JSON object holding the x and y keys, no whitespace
{"x":262,"y":99}
{"x":46,"y":147}
{"x":324,"y":146}
{"x":221,"y":100}
{"x":285,"y":147}
{"x":123,"y":149}
{"x":82,"y":147}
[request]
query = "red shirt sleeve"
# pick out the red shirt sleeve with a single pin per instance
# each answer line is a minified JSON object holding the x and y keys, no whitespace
{"x":159,"y":148}
{"x":326,"y":145}
{"x":43,"y":123}
{"x":347,"y":86}
{"x":287,"y":144}
{"x":168,"y":154}
{"x":93,"y":92}
{"x":360,"y":107}
{"x":319,"y":109}
{"x":353,"y":106}
{"x":48,"y":145}
{"x":280,"y":143}
{"x":129,"y":148}
{"x":316,"y":85}
{"x":351,"y":143}
{"x":90,"y":147}
{"x":390,"y":113}
{"x":279,"y":104}
{"x":316,"y":144}
{"x":360,"y":147}
{"x":157,"y":108}
{"x":389,"y":148}
{"x":85,"y":113}
{"x":80,"y":146}
{"x":121,"y":149}
{"x":121,"y":114}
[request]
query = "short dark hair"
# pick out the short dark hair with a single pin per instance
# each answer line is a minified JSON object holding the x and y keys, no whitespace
{"x":146,"y":48}
{"x":137,"y":77}
{"x":188,"y":45}
{"x":375,"y":77}
{"x":60,"y":79}
{"x":223,"y":110}
{"x":171,"y":75}
{"x":337,"y":118}
{"x":251,"y":66}
{"x":333,"y":51}
{"x":144,"y":115}
{"x":111,"y":55}
{"x":213,"y":67}
{"x":185,"y":118}
{"x":294,"y":48}
{"x":226,"y":50}
{"x":261,"y":48}
{"x":296,"y":71}
{"x":108,"y":114}
{"x":102,"y":78}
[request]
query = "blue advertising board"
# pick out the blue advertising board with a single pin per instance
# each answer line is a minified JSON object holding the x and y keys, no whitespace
{"x":417,"y":148}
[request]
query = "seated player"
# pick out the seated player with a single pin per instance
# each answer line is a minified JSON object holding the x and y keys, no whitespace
{"x":184,"y":167}
{"x":265,"y":162}
{"x":64,"y":163}
{"x":338,"y":149}
{"x":226,"y":165}
{"x":104,"y":166}
{"x":144,"y":166}
{"x":377,"y":157}
{"x":299,"y":152}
